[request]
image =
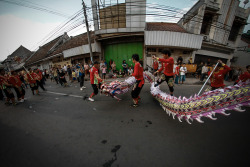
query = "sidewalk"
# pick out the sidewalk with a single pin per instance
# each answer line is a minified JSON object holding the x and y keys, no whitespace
{"x":196,"y":81}
{"x":189,"y":81}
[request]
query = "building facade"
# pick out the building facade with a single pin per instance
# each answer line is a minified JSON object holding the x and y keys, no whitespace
{"x":119,"y":28}
{"x":221,"y":22}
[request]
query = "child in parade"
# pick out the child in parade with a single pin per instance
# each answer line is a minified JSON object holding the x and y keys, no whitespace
{"x":95,"y":80}
{"x":167,"y":66}
{"x":138,"y":74}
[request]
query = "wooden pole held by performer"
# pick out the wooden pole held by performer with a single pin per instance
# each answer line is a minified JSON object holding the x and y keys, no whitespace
{"x":208,"y":78}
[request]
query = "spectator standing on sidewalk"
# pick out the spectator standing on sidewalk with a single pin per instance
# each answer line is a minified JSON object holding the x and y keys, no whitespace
{"x":125,"y":67}
{"x":204,"y":72}
{"x":69,"y":72}
{"x":104,"y":71}
{"x":183,"y":71}
{"x":199,"y":68}
{"x":81,"y":77}
{"x":177,"y":74}
{"x":113,"y":67}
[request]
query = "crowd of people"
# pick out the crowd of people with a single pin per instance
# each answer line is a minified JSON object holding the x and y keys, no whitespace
{"x":168,"y":71}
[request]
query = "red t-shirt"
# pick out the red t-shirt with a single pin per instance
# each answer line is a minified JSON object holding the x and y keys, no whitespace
{"x":138,"y":73}
{"x":168,"y":65}
{"x":217,"y":78}
{"x":93,"y":71}
{"x":2,"y":80}
{"x":244,"y":77}
{"x":177,"y":70}
{"x":155,"y":65}
{"x":15,"y":81}
{"x":34,"y":77}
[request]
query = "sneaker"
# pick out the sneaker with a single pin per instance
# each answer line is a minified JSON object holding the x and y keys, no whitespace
{"x":83,"y":87}
{"x":134,"y":105}
{"x":21,"y":101}
{"x":90,"y":99}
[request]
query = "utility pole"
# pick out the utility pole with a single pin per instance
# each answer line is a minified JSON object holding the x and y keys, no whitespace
{"x":87,"y":27}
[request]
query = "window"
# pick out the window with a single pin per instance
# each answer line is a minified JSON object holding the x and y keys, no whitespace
{"x":151,"y":49}
{"x":234,"y":31}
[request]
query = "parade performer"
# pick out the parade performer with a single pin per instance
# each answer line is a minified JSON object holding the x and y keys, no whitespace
{"x":17,"y":85}
{"x":217,"y":78}
{"x":6,"y":87}
{"x":138,"y":74}
{"x":95,"y":80}
{"x":245,"y":76}
{"x":167,"y":66}
{"x":40,"y":79}
{"x":62,"y":78}
{"x":32,"y":77}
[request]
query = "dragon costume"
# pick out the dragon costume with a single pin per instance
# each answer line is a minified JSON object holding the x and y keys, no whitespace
{"x":195,"y":107}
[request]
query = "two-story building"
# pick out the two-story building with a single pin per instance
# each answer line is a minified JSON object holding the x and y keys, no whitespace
{"x":221,"y":22}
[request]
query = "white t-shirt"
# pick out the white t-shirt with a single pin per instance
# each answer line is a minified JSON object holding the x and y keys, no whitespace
{"x":204,"y":70}
{"x":183,"y":70}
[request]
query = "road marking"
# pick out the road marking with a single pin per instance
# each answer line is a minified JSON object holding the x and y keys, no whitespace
{"x":63,"y":94}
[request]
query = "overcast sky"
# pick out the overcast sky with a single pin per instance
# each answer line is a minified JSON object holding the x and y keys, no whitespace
{"x":28,"y":27}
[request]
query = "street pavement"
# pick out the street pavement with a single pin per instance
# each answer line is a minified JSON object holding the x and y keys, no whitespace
{"x":59,"y":128}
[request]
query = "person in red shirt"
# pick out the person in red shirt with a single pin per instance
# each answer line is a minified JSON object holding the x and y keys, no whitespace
{"x":177,"y":74}
{"x":95,"y":80}
{"x":6,"y":87}
{"x":168,"y":65}
{"x":138,"y":74}
{"x":155,"y":66}
{"x":32,"y":77}
{"x":217,"y":78}
{"x":39,"y":80}
{"x":245,"y":76}
{"x":17,"y":85}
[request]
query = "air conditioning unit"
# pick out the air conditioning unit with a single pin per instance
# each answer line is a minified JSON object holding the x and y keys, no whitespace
{"x":206,"y":38}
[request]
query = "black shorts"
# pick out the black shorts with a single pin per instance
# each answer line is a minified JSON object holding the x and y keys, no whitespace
{"x":8,"y":93}
{"x":136,"y":90}
{"x":95,"y":88}
{"x":169,"y":80}
{"x":33,"y":86}
{"x":19,"y":92}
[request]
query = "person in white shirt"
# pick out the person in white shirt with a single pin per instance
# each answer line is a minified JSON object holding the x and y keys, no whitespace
{"x":204,"y":71}
{"x":183,"y":71}
{"x":130,"y":71}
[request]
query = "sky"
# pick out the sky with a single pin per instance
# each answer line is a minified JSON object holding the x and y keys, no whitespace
{"x":30,"y":27}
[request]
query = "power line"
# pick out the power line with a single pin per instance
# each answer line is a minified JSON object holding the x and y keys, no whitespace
{"x":36,"y":7}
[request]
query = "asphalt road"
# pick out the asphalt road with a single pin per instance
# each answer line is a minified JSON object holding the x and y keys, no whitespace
{"x":64,"y":130}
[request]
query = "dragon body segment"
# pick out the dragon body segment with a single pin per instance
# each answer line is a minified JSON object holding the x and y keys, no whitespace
{"x":194,"y":108}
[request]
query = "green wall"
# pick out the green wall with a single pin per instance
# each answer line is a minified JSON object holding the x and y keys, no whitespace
{"x":123,"y":51}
